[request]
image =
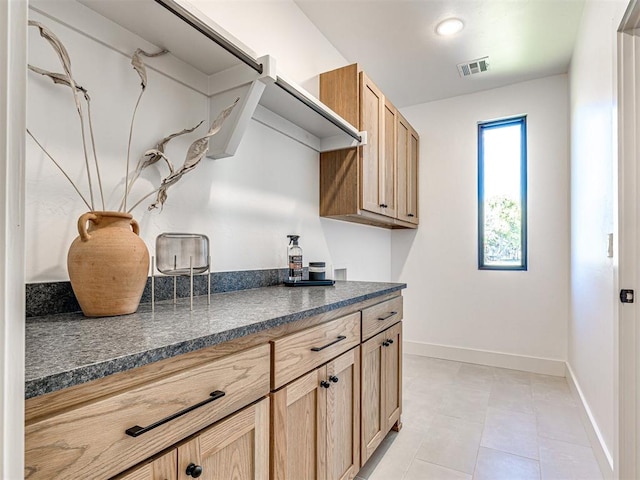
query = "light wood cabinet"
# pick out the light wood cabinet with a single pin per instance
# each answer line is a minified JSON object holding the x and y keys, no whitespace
{"x":371,"y":155}
{"x":298,"y":353}
{"x":334,"y":387}
{"x":164,"y":467}
{"x":381,"y":316}
{"x":343,"y":416}
{"x":381,"y":394}
{"x":365,"y":184}
{"x":388,"y":162}
{"x":407,"y":157}
{"x":236,"y":448}
{"x":139,"y":422}
{"x":316,"y":423}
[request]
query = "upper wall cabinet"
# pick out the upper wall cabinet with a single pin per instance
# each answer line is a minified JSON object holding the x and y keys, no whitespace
{"x":407,"y":156}
{"x":206,"y":58}
{"x":375,"y":183}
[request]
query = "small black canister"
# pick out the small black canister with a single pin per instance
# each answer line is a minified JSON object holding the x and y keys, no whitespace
{"x":317,"y":270}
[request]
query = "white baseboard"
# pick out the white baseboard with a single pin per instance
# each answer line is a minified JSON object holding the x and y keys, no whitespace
{"x":545,"y":366}
{"x":602,"y":453}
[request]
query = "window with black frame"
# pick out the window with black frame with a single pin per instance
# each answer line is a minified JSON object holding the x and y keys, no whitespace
{"x":502,"y":194}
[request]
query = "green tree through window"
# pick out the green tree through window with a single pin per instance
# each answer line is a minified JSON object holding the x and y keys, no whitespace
{"x":502,"y":230}
{"x":502,"y":194}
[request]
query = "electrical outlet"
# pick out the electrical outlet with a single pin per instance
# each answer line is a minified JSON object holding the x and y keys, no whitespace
{"x":340,"y":274}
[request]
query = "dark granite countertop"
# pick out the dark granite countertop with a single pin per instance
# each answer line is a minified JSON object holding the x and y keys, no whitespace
{"x":69,"y":349}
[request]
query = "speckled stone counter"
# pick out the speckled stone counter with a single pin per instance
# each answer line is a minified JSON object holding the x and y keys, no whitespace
{"x":69,"y":349}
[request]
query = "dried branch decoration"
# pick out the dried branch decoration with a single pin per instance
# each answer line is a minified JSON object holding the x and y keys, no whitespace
{"x":154,"y":155}
{"x":61,"y":79}
{"x":196,"y":152}
{"x":138,"y":66}
{"x":67,"y":79}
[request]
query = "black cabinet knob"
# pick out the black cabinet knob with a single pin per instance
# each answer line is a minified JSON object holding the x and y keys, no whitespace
{"x":389,"y":341}
{"x":194,"y":470}
{"x":385,"y":344}
{"x":325,"y":384}
{"x":410,"y":215}
{"x":333,"y":379}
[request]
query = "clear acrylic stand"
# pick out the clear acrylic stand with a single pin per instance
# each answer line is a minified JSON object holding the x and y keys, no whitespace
{"x":207,"y":272}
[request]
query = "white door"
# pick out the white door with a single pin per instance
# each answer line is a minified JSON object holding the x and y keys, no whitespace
{"x":628,"y":335}
{"x":13,"y":61}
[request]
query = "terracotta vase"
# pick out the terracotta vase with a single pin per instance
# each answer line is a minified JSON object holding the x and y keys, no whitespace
{"x":108,"y":264}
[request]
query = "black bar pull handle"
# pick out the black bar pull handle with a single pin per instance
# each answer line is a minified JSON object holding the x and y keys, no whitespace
{"x":388,"y":316}
{"x":339,"y":339}
{"x":137,"y":430}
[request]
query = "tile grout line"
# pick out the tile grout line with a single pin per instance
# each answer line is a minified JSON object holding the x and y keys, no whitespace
{"x":551,"y":397}
{"x":404,"y":474}
{"x":515,"y":455}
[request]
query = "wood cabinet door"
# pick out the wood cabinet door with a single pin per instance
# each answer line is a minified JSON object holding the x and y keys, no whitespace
{"x":412,"y":182}
{"x":407,"y":158}
{"x":298,"y":429}
{"x":315,"y":429}
{"x":162,"y":468}
{"x":343,"y":416}
{"x":392,"y":375}
{"x":373,"y":421}
{"x":371,"y":120}
{"x":381,"y":390}
{"x":388,"y":162}
{"x":236,"y":448}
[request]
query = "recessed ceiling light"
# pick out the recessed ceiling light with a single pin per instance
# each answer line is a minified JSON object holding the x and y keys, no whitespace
{"x":450,"y":26}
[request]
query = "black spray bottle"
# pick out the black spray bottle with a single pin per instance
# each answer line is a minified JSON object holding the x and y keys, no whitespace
{"x":294,"y":254}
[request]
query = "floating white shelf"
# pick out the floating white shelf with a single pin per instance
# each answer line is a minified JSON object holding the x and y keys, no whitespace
{"x":230,"y":70}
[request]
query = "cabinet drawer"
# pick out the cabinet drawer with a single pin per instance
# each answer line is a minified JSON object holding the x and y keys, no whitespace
{"x":301,"y":352}
{"x":90,"y":441}
{"x":380,"y":317}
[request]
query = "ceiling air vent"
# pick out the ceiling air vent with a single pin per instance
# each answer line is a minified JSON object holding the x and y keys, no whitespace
{"x":472,"y":67}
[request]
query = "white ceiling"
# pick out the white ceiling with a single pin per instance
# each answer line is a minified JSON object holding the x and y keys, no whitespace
{"x":396,"y":44}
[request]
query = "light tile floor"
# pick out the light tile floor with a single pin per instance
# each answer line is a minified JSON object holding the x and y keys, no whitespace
{"x":465,"y":421}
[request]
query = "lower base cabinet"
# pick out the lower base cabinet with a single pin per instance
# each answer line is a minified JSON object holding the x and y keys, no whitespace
{"x":115,"y":432}
{"x":381,"y":398}
{"x":311,"y":405}
{"x":316,"y":423}
{"x":236,"y":448}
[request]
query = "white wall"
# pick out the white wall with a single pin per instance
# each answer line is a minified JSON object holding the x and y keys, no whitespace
{"x":281,"y":29}
{"x":246,"y":204}
{"x":449,"y":301}
{"x":593,"y":159}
